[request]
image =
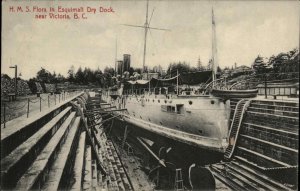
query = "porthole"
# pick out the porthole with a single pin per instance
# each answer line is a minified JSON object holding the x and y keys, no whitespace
{"x":158,"y":101}
{"x":160,"y":123}
{"x":153,"y":100}
{"x":165,"y":101}
{"x":141,"y":117}
{"x":190,"y":102}
{"x":212,"y":102}
{"x":200,"y":131}
{"x":149,"y":119}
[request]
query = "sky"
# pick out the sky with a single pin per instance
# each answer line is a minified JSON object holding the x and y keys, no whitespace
{"x":244,"y":29}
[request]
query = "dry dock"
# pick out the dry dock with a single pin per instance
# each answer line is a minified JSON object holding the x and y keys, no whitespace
{"x":72,"y":147}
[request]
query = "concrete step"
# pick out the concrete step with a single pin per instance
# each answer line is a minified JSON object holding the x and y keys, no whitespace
{"x":282,"y":137}
{"x":273,"y":111}
{"x":258,"y":177}
{"x":276,"y":121}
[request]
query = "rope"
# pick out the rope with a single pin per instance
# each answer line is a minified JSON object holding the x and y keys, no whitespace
{"x":16,"y":108}
{"x":33,"y":101}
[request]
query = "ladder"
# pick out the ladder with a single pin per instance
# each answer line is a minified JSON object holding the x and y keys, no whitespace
{"x":178,"y":180}
{"x":235,"y":126}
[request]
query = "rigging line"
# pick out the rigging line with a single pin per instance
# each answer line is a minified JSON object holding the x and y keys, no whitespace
{"x":147,"y":27}
{"x":43,"y":99}
{"x":140,"y":53}
{"x":155,"y":47}
{"x":151,"y":16}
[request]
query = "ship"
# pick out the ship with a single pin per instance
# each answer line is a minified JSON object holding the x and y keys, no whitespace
{"x":198,"y":115}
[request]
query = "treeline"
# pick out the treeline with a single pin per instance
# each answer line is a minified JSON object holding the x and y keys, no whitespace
{"x":284,"y":62}
{"x":83,"y":76}
{"x":184,"y":67}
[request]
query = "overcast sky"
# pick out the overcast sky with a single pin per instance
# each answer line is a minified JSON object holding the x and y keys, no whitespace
{"x":244,"y":29}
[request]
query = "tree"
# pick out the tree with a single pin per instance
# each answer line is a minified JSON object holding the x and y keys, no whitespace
{"x":138,"y":70}
{"x":79,"y":77}
{"x":108,"y":74}
{"x":109,"y":70}
{"x":71,"y":74}
{"x":32,"y":85}
{"x":5,"y":76}
{"x":88,"y":76}
{"x":53,"y":78}
{"x":44,"y":75}
{"x":180,"y":66}
{"x":260,"y":65}
{"x":60,"y":78}
{"x":199,"y":65}
{"x":99,"y":77}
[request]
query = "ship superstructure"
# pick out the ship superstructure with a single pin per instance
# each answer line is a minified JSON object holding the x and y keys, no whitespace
{"x":191,"y":115}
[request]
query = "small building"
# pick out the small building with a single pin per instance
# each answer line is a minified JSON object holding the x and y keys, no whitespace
{"x":279,"y":89}
{"x":242,"y":68}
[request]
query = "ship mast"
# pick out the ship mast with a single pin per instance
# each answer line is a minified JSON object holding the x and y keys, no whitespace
{"x":147,"y":27}
{"x":116,"y":57}
{"x":145,"y":39}
{"x":214,"y":63}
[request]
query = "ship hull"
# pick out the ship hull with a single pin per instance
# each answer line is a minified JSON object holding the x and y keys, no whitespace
{"x":196,"y":154}
{"x":198,"y":121}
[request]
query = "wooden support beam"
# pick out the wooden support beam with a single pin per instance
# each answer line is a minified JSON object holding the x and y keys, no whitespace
{"x":102,"y":122}
{"x":124,"y":137}
{"x":151,"y":152}
{"x":89,"y":138}
{"x":101,"y":112}
{"x":102,"y":108}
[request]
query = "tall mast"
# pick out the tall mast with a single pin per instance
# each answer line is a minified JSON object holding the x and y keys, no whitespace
{"x":214,"y":63}
{"x":147,"y":27}
{"x":145,"y":39}
{"x":177,"y":89}
{"x":116,"y":57}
